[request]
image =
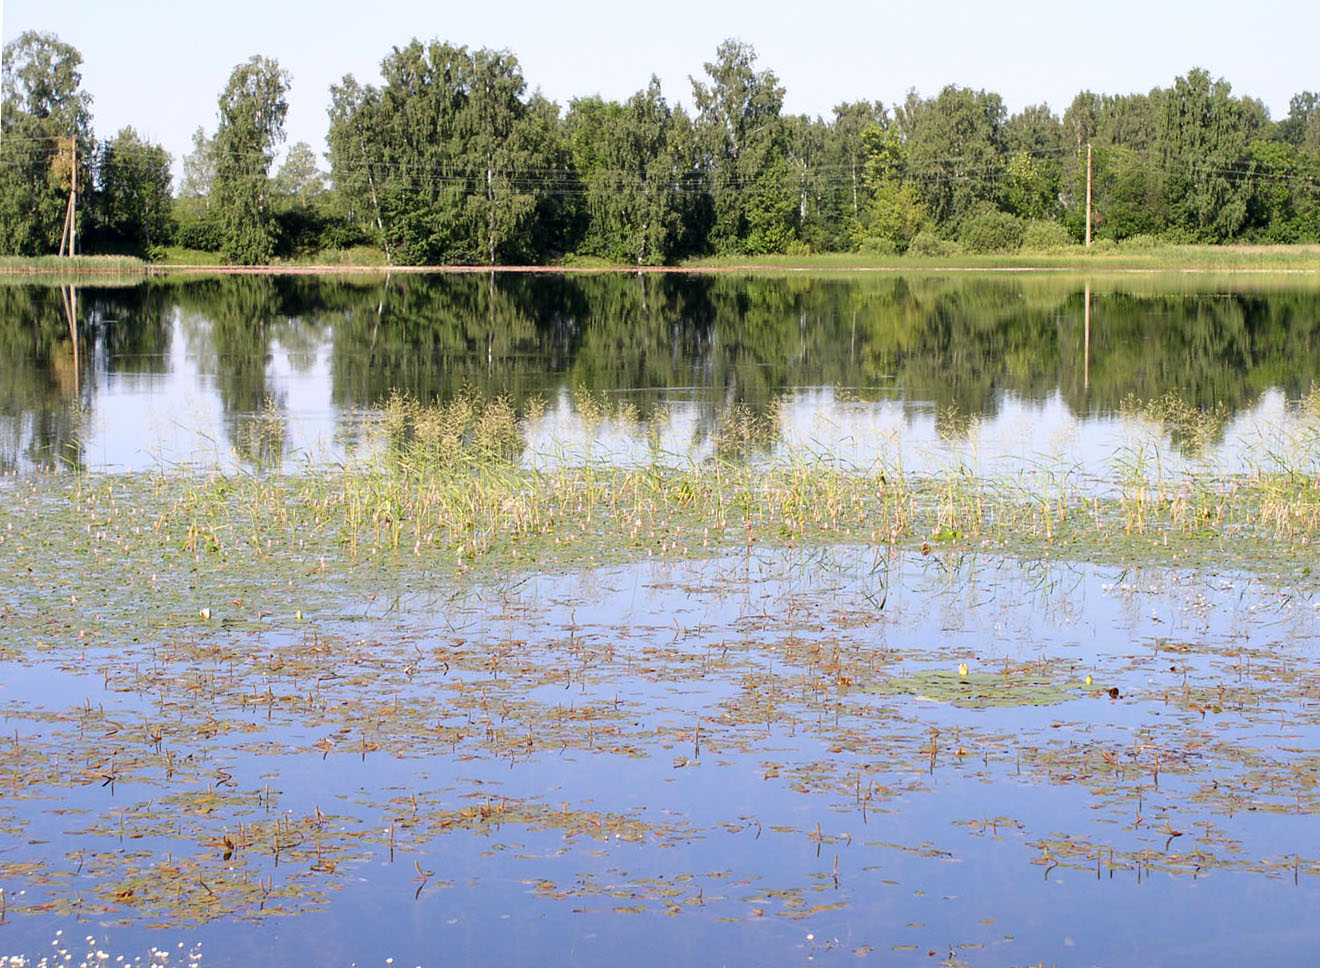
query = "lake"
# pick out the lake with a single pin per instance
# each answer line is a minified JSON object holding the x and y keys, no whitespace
{"x":989,"y":371}
{"x":799,"y":619}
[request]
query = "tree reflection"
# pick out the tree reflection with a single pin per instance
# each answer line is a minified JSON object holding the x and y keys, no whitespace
{"x":46,"y":389}
{"x":953,"y":344}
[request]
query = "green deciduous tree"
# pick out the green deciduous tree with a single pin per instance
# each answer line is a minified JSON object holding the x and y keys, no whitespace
{"x":845,"y":160}
{"x":1201,"y":145}
{"x":132,"y":202}
{"x":893,"y":214}
{"x":954,"y":145}
{"x":1283,"y":193}
{"x":510,"y":150}
{"x":1104,"y":119}
{"x":253,"y":107}
{"x":450,"y":158}
{"x":353,"y":109}
{"x":299,"y":177}
{"x":198,"y":167}
{"x":742,"y":141}
{"x":1127,"y":195}
{"x":1303,"y":115}
{"x":630,"y":165}
{"x":44,"y":113}
{"x":1036,"y":130}
{"x":1311,"y":139}
{"x":308,"y":216}
{"x":814,"y":181}
{"x":1031,"y":185}
{"x":1034,"y":141}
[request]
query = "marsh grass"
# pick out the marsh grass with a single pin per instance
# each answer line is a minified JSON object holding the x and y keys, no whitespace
{"x":72,"y":265}
{"x":1192,"y":429}
{"x":263,"y":436}
{"x":444,"y":482}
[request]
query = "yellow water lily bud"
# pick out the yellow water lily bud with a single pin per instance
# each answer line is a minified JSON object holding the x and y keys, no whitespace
{"x":1088,"y":678}
{"x":962,"y":669}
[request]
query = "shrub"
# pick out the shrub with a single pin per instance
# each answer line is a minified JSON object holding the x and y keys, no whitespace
{"x":990,"y":230}
{"x":1176,"y":235}
{"x":199,"y":229}
{"x":1142,"y":241}
{"x":1042,"y":236}
{"x":927,"y":243}
{"x":874,"y":246}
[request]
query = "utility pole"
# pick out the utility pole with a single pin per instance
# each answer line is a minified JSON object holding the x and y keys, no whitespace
{"x":1088,"y":193}
{"x":73,"y":200}
{"x":69,"y":237}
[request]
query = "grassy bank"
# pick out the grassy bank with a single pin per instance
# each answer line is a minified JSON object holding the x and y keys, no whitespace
{"x":72,"y":266}
{"x":1103,"y":257}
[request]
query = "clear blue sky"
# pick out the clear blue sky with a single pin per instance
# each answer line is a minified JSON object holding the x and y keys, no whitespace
{"x":159,"y":65}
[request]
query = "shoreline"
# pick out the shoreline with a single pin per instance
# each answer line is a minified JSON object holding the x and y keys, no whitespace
{"x":1301,"y":260}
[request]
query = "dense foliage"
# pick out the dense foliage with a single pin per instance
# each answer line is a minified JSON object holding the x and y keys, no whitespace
{"x":45,"y":123}
{"x":252,"y":112}
{"x":451,"y":159}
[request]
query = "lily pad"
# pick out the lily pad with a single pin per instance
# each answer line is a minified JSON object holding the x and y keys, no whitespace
{"x":978,"y":689}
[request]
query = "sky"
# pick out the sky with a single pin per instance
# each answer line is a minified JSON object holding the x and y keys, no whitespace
{"x":159,"y":65}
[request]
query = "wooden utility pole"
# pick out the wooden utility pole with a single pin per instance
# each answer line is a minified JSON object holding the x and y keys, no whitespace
{"x":1088,"y":193}
{"x":69,"y":237}
{"x":73,"y":200}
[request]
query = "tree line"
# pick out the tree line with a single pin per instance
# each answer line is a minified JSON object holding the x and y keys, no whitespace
{"x":450,"y":159}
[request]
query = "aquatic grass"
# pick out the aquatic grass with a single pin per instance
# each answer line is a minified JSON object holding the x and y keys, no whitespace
{"x":828,"y":671}
{"x":447,"y":480}
{"x":1193,"y":430}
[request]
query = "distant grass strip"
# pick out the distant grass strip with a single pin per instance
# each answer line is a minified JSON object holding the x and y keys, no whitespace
{"x":72,"y":265}
{"x":1105,"y":256}
{"x":1138,"y":256}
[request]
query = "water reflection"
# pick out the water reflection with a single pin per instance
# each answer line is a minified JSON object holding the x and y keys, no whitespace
{"x":979,"y":370}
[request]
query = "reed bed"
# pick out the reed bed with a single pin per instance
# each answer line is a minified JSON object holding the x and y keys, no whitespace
{"x":446,"y":481}
{"x":72,"y":265}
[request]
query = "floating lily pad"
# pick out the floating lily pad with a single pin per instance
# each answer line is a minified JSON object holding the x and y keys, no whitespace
{"x":981,"y":688}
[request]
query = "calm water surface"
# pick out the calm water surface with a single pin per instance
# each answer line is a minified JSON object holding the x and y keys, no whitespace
{"x":766,"y":756}
{"x":985,"y":372}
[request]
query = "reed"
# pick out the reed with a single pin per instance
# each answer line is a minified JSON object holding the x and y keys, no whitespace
{"x":72,"y":265}
{"x":444,"y":480}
